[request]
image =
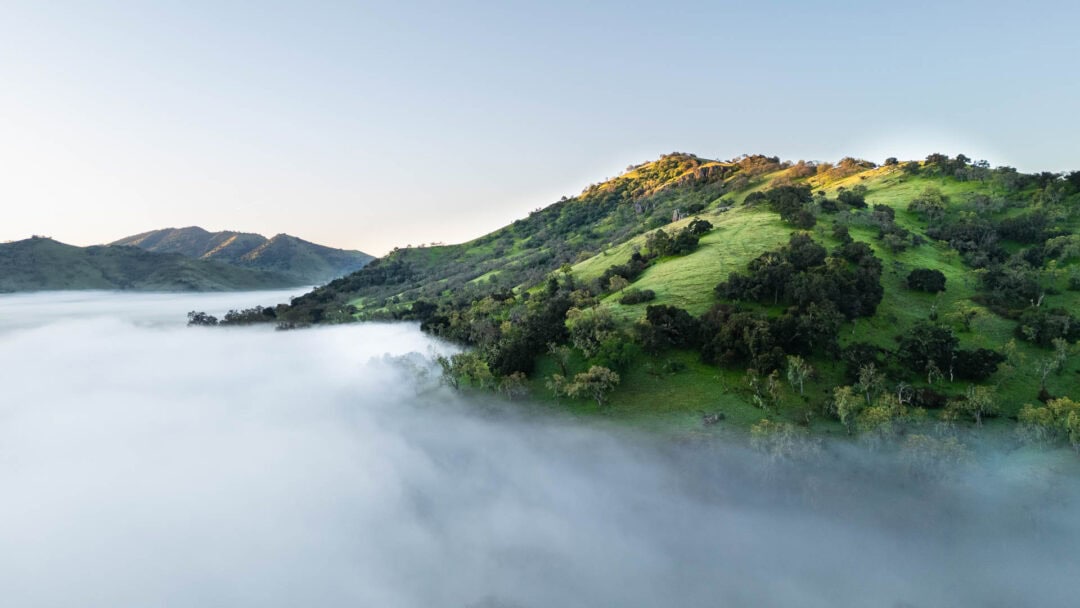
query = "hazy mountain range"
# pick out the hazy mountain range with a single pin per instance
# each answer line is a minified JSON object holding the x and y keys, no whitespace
{"x":174,"y":259}
{"x":305,"y":261}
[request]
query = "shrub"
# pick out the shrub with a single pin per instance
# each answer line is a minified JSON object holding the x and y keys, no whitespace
{"x":856,"y":197}
{"x":595,"y":383}
{"x":928,"y":348}
{"x":637,"y":296}
{"x":669,"y":327}
{"x":1042,"y":326}
{"x":926,"y":279}
{"x":978,"y":364}
{"x":201,"y":318}
{"x":931,"y":204}
{"x":928,"y":398}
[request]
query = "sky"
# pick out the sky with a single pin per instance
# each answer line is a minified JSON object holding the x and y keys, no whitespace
{"x":374,"y":125}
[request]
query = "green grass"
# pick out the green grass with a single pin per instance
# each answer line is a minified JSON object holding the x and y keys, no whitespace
{"x":688,"y":281}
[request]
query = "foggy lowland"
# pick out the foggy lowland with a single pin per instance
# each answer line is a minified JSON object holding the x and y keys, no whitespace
{"x":146,"y":463}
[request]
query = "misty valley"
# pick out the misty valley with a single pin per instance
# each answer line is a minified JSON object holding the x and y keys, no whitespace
{"x":539,"y":305}
{"x":143,"y":459}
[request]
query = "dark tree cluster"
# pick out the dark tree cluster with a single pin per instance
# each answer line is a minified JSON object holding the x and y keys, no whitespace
{"x":926,"y":347}
{"x":669,"y":327}
{"x":819,"y":291}
{"x":1032,"y":228}
{"x":961,"y":167}
{"x":802,"y":273}
{"x":685,"y":241}
{"x":975,"y":238}
{"x":517,"y":349}
{"x":637,"y":296}
{"x":931,"y":205}
{"x":978,"y":364}
{"x":198,"y":318}
{"x":629,"y":271}
{"x":894,"y":236}
{"x":933,"y":349}
{"x":1041,"y":326}
{"x":252,"y":316}
{"x":926,"y":279}
{"x":790,"y":202}
{"x":1010,"y":287}
{"x":854,"y":197}
{"x":733,"y":336}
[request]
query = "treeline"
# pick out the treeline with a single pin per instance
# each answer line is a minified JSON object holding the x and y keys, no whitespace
{"x":256,"y":315}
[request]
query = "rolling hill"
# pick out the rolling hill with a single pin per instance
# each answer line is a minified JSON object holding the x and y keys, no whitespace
{"x":684,"y":273}
{"x":305,"y":262}
{"x":40,"y":264}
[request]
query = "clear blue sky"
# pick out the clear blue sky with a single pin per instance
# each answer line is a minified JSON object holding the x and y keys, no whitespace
{"x":370,"y":125}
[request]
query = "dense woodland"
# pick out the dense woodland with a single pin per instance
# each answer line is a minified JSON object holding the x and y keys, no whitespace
{"x":795,"y":328}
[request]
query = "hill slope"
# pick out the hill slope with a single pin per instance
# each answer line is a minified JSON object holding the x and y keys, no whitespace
{"x":306,"y":262}
{"x":38,"y":264}
{"x":841,"y":293}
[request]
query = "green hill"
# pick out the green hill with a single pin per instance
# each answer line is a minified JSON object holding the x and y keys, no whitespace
{"x":304,"y":261}
{"x":39,"y":264}
{"x":834,"y":264}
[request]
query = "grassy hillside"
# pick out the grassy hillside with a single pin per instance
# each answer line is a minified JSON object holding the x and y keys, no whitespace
{"x":1005,"y":244}
{"x":743,"y":233}
{"x":523,"y":253}
{"x":38,"y":264}
{"x":305,"y":262}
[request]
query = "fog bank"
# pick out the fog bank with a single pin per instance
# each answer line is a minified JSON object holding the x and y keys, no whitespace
{"x":144,"y":463}
{"x":23,"y":310}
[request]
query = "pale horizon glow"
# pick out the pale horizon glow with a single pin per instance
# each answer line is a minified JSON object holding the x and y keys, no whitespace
{"x":370,"y":126}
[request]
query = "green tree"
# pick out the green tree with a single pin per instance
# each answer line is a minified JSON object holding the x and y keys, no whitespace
{"x":466,"y":367}
{"x":556,"y":383}
{"x":1044,"y":367}
{"x":847,"y":405}
{"x":595,"y":383}
{"x":1058,"y":420}
{"x":561,"y":354}
{"x":1072,"y":427}
{"x":977,"y":403}
{"x":1062,"y":350}
{"x":201,"y":318}
{"x":965,"y":314}
{"x":617,"y":283}
{"x":798,"y":370}
{"x":765,"y":392}
{"x":928,"y":348}
{"x":883,"y":421}
{"x":930,"y":204}
{"x":871,"y":382}
{"x":589,"y":328}
{"x":514,"y":386}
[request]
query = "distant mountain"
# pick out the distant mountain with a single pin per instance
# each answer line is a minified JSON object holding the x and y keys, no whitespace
{"x":39,"y":264}
{"x":306,"y":262}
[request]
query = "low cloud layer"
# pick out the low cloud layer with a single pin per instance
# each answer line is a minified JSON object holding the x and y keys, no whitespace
{"x":150,"y":464}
